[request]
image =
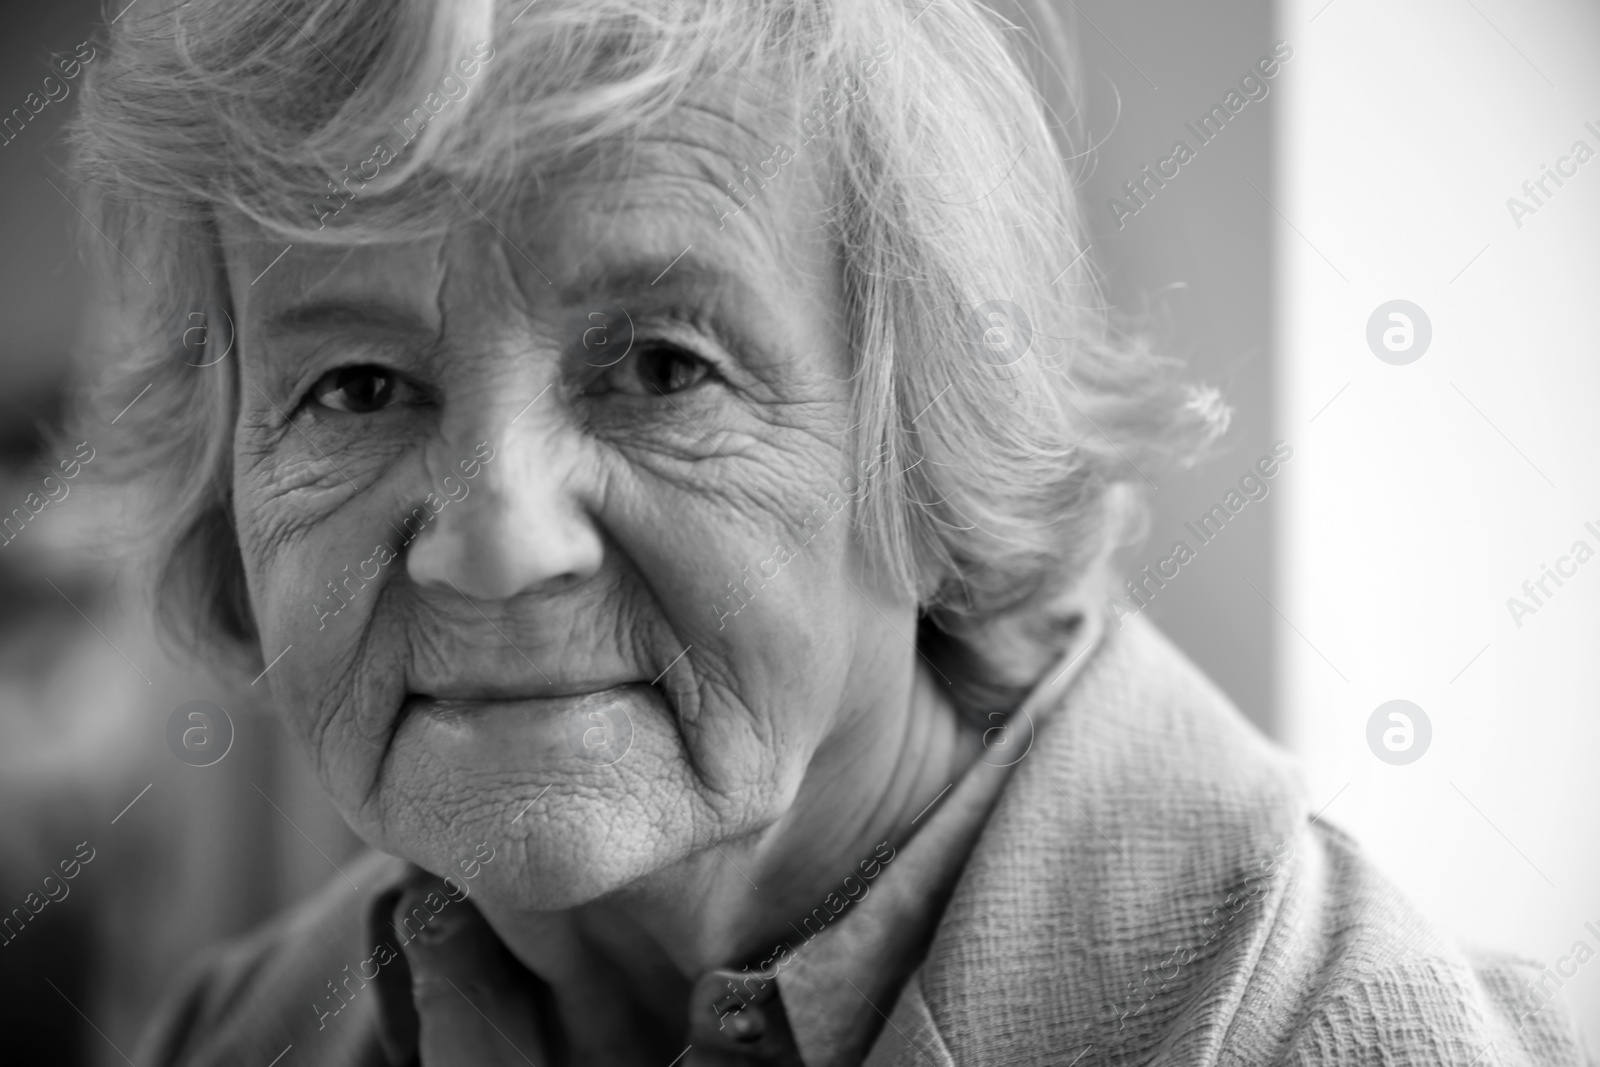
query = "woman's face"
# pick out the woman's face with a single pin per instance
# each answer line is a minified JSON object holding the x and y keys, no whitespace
{"x":593,"y":428}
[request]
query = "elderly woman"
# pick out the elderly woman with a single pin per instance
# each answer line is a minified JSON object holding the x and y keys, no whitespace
{"x":665,"y":460}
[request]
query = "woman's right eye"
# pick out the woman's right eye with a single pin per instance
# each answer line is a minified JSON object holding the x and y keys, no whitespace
{"x":362,"y":389}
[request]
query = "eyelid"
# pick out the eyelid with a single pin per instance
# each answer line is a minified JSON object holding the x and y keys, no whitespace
{"x":345,"y":348}
{"x":692,"y":331}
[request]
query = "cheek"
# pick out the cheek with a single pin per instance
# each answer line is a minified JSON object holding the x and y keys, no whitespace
{"x":331,"y":655}
{"x":755,"y":586}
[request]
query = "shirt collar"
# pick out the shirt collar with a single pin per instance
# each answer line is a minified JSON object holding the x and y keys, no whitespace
{"x":843,"y":983}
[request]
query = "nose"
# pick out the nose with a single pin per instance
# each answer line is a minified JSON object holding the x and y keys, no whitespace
{"x":520,"y":528}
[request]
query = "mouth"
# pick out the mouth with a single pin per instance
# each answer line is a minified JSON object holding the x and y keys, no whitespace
{"x":507,"y":735}
{"x":546,"y":700}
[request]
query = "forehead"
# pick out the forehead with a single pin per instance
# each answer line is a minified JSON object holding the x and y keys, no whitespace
{"x":715,"y":188}
{"x":714,"y":175}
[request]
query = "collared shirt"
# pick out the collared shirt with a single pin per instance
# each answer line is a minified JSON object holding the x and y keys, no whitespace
{"x":822,"y":996}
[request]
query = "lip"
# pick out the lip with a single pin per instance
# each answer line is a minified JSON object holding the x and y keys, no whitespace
{"x":552,"y":700}
{"x":504,"y":739}
{"x":483,"y":694}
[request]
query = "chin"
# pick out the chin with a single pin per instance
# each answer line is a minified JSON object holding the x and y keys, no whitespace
{"x":577,"y":796}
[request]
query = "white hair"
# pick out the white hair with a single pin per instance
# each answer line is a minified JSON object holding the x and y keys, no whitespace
{"x":1019,"y":463}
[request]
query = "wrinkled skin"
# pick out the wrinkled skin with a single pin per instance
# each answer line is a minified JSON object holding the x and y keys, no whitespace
{"x":622,"y":496}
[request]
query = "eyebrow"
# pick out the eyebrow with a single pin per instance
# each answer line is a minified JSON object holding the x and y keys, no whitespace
{"x":655,"y":274}
{"x":660,"y":282}
{"x":684,"y":275}
{"x":352,"y":315}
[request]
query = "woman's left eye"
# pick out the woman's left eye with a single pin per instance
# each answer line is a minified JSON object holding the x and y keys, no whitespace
{"x":656,"y":369}
{"x":362,"y":389}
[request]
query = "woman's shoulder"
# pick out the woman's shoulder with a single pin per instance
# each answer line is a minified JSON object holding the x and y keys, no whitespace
{"x":1370,"y":973}
{"x":251,"y":999}
{"x":1152,"y":884}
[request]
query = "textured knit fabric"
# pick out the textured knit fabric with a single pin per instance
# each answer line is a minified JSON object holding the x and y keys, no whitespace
{"x":1149,"y":887}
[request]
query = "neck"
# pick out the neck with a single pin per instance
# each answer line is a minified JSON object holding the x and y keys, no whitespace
{"x":631,"y":957}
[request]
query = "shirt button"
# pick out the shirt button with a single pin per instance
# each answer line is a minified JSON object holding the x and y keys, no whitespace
{"x":746,"y":1025}
{"x":737,"y":1017}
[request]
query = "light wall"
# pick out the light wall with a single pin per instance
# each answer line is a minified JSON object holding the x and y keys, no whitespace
{"x":1426,"y":494}
{"x":1193,"y":268}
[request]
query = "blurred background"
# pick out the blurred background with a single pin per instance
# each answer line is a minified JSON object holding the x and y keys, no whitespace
{"x":1419,"y":495}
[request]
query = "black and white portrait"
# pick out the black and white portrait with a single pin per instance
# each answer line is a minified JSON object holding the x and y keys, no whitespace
{"x":800,"y":532}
